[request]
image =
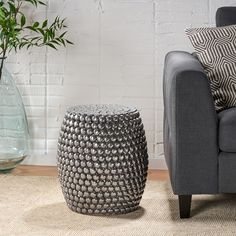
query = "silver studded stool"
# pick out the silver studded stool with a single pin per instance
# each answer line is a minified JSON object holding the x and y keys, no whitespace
{"x":102,"y":159}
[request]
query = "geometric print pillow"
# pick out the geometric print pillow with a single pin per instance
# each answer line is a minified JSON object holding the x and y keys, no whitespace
{"x":216,"y":50}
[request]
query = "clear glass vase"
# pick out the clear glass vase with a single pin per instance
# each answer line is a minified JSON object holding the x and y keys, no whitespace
{"x":14,"y":132}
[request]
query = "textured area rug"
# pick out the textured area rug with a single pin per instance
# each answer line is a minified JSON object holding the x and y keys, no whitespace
{"x":35,"y":206}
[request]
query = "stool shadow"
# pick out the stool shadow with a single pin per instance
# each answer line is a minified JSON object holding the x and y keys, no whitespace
{"x":59,"y":216}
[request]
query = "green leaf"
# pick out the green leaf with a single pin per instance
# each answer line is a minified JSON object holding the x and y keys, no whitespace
{"x":36,"y":24}
{"x":29,"y":45}
{"x":45,"y":38}
{"x":2,"y":14}
{"x":55,"y":42}
{"x":45,"y":23}
{"x":35,"y":38}
{"x":42,"y":3}
{"x":68,"y":41}
{"x":51,"y":45}
{"x":22,"y":20}
{"x":12,"y":7}
{"x":63,"y":42}
{"x":63,"y":34}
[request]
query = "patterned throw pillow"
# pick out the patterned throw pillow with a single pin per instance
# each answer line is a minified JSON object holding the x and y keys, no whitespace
{"x":216,"y":50}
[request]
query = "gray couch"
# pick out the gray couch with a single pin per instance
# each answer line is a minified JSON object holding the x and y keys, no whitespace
{"x":199,"y":143}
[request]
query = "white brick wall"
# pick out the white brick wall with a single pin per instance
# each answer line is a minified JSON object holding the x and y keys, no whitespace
{"x":117,"y":58}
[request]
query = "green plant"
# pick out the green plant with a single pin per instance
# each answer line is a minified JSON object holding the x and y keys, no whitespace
{"x":17,"y":33}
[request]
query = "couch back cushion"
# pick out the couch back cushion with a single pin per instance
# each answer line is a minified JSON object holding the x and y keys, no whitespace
{"x":226,"y":16}
{"x":216,"y":50}
{"x":227,"y":130}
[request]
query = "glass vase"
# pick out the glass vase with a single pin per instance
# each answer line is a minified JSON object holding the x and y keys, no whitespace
{"x":14,"y":132}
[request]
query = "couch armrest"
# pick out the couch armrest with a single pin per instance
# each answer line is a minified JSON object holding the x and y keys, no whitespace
{"x":190,"y":126}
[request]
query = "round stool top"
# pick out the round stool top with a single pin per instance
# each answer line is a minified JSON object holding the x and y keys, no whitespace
{"x":101,"y":110}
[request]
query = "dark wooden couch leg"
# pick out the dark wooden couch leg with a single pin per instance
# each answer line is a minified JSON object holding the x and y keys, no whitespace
{"x":185,"y":205}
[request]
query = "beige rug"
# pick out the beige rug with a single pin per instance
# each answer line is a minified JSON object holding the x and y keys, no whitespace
{"x":35,"y":206}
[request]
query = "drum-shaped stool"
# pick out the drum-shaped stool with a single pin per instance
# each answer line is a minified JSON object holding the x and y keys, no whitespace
{"x":102,"y":159}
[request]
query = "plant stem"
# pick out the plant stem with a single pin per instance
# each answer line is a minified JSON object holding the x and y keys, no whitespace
{"x":2,"y":62}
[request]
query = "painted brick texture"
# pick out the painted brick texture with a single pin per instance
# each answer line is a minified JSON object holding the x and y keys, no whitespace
{"x":118,"y":57}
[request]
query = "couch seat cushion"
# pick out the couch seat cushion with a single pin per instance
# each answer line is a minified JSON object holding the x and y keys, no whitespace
{"x":227,"y":130}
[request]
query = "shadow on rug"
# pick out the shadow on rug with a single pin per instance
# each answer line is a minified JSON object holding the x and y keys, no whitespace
{"x":59,"y":216}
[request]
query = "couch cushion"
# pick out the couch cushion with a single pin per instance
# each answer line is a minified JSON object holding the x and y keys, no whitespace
{"x":227,"y":130}
{"x":216,"y":50}
{"x":227,"y":173}
{"x":225,"y":16}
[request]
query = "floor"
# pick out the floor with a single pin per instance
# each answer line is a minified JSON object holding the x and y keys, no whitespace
{"x":52,"y":171}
